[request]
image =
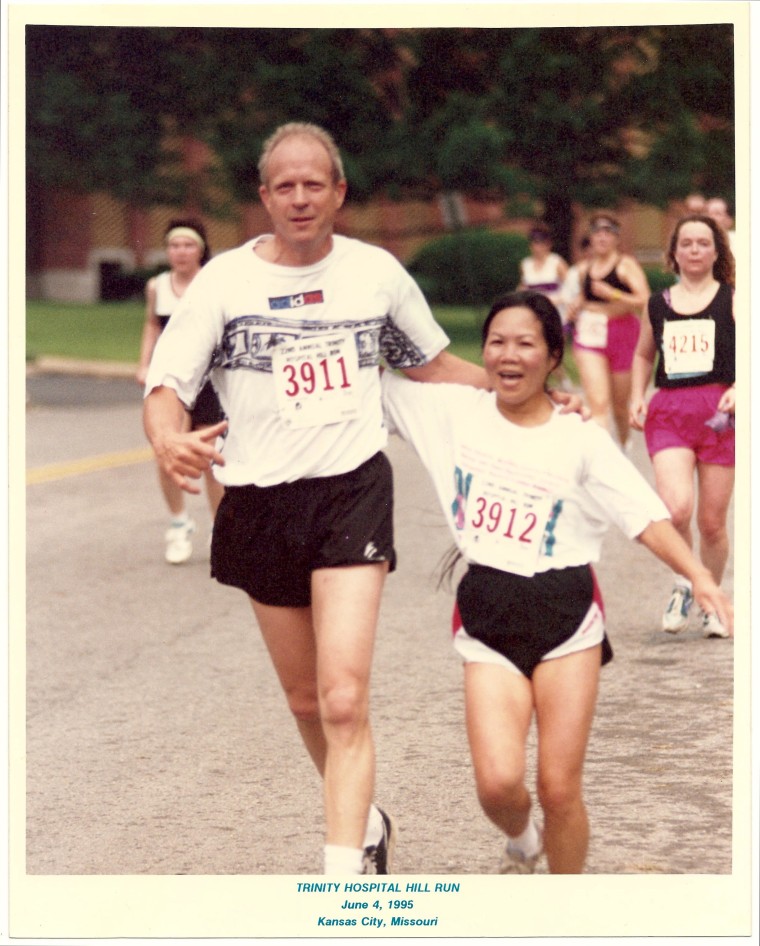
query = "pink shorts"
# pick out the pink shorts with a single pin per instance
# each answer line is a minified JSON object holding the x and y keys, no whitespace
{"x":676,"y":418}
{"x":622,"y":336}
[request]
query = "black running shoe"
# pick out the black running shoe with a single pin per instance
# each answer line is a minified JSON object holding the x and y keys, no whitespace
{"x":378,"y":858}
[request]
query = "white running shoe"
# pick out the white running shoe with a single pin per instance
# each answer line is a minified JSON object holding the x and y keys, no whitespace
{"x":676,"y":615}
{"x":711,"y":625}
{"x":179,"y":548}
{"x":516,"y":861}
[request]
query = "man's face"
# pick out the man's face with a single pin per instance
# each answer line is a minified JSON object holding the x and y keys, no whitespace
{"x":302,"y":199}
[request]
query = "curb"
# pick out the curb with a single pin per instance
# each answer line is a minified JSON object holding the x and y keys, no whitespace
{"x":51,"y":364}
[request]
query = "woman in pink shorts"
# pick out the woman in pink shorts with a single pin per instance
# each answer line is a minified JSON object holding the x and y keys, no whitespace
{"x":689,"y":422}
{"x":614,"y":289}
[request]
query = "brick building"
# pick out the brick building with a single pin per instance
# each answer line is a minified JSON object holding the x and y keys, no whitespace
{"x":79,"y":243}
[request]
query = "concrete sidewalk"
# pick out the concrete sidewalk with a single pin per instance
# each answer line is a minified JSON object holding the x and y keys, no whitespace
{"x":53,"y":364}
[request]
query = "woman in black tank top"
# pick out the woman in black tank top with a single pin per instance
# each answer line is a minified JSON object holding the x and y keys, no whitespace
{"x":688,"y":423}
{"x":613,"y":290}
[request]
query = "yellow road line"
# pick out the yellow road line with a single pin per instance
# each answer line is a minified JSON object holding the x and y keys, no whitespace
{"x":106,"y":461}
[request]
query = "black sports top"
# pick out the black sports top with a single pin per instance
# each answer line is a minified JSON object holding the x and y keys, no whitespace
{"x":611,"y":278}
{"x":719,"y":311}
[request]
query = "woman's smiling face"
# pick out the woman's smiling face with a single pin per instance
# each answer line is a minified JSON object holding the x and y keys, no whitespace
{"x":517,"y":358}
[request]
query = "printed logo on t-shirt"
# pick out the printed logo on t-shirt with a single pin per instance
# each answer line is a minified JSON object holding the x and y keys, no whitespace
{"x":462,"y":484}
{"x":250,"y":340}
{"x":297,"y":301}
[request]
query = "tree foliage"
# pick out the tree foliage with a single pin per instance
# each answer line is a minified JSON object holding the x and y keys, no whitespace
{"x":563,"y":115}
{"x":88,"y":127}
{"x":586,"y":115}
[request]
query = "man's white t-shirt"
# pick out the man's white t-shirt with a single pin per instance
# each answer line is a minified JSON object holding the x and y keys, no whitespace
{"x":523,"y":499}
{"x":293,"y":354}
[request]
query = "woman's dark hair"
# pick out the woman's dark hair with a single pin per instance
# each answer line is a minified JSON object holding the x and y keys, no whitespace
{"x":543,"y":309}
{"x":724,"y":267}
{"x":194,"y":224}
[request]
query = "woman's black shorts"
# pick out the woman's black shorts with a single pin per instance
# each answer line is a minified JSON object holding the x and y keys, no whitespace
{"x":526,"y":618}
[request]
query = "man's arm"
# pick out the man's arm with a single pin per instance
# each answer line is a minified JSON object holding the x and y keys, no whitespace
{"x":184,"y":455}
{"x":446,"y":367}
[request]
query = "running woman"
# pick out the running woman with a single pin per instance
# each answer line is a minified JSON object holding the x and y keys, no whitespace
{"x":688,"y":423}
{"x":606,"y":324}
{"x":187,"y":250}
{"x":527,"y":493}
{"x":543,"y":271}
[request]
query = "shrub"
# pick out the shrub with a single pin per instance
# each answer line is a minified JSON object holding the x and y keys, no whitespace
{"x":120,"y":285}
{"x":659,"y":278}
{"x":470,"y":267}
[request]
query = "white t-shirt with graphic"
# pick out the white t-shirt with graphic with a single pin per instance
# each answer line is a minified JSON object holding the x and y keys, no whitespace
{"x":294,"y":354}
{"x":523,"y":499}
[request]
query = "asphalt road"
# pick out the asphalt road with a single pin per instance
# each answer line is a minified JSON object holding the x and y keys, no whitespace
{"x":158,"y":741}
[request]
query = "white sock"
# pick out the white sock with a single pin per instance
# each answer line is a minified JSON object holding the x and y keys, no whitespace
{"x":529,"y":842}
{"x":181,"y":519}
{"x":374,"y":830}
{"x":681,"y":581}
{"x":343,"y":860}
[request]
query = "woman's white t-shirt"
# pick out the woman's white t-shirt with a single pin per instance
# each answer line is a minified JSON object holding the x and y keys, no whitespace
{"x":523,"y":499}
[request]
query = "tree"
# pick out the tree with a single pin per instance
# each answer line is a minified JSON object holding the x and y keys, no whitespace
{"x":87,"y":128}
{"x":565,"y":115}
{"x":587,"y":115}
{"x":685,"y":106}
{"x":335,"y":78}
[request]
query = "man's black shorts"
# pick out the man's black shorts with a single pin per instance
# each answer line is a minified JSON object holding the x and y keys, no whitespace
{"x":268,"y":540}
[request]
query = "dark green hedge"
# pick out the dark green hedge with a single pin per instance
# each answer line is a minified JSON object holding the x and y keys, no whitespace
{"x":470,"y":267}
{"x":659,"y":278}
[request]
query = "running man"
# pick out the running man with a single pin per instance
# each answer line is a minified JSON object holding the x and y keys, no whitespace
{"x":293,"y":325}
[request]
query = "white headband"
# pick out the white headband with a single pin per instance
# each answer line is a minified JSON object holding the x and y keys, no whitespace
{"x":186,"y":232}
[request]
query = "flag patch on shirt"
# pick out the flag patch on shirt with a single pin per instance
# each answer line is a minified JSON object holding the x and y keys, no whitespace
{"x":296,"y":301}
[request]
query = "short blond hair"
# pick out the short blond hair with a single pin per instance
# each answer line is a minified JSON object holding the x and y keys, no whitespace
{"x":304,"y":129}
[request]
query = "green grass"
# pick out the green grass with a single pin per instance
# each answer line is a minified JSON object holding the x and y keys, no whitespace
{"x":105,"y":331}
{"x":110,"y":331}
{"x":462,"y":324}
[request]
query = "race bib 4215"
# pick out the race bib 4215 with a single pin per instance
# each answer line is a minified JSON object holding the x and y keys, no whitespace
{"x":688,"y":346}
